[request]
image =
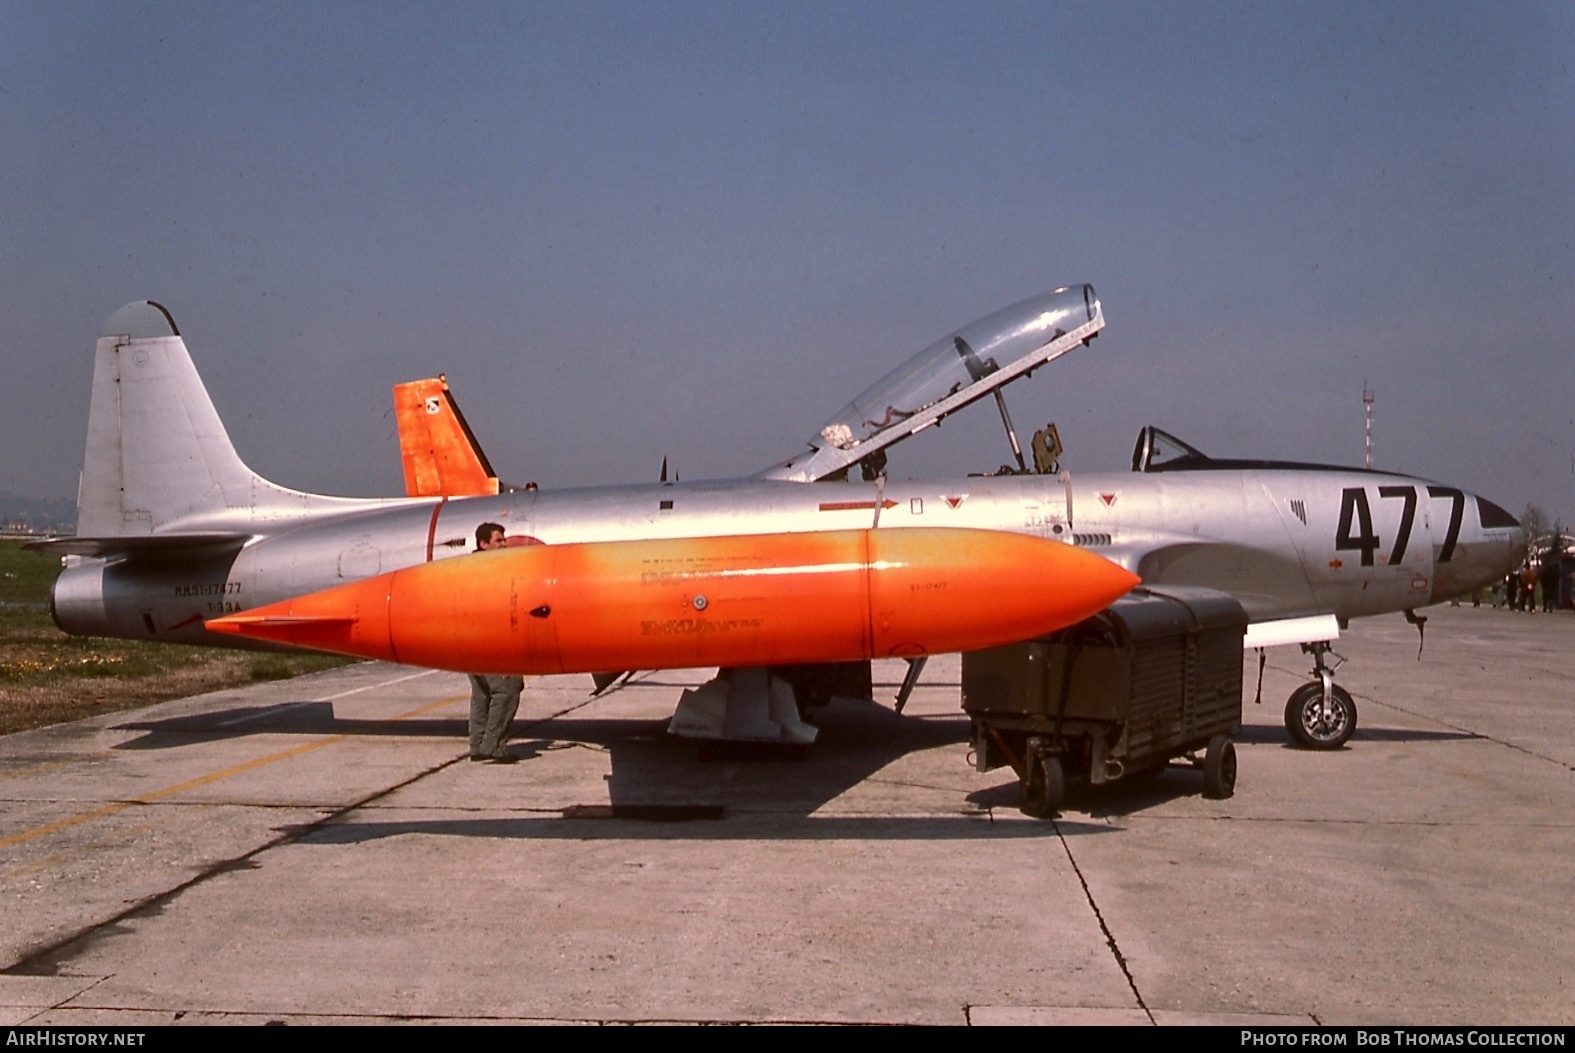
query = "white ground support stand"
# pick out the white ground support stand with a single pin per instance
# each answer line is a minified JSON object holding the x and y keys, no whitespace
{"x":741,"y":705}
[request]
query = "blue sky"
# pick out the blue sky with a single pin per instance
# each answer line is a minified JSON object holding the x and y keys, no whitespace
{"x":630,"y":230}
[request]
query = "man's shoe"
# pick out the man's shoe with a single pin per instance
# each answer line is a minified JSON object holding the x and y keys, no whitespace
{"x":503,"y":758}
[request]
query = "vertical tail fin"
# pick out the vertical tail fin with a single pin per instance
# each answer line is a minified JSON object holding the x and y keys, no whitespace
{"x":440,"y":454}
{"x":158,"y":458}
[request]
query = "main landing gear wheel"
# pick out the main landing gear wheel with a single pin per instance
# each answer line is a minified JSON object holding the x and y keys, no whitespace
{"x":1312,"y":725}
{"x":1219,"y":769}
{"x":1044,"y":787}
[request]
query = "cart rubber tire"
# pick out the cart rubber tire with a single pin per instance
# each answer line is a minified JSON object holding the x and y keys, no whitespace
{"x":1304,"y":717}
{"x":1219,"y":769}
{"x":1044,"y":787}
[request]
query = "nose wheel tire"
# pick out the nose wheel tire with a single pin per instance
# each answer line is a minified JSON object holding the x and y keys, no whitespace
{"x":1219,"y":769}
{"x":1044,"y":787}
{"x":1314,"y":727}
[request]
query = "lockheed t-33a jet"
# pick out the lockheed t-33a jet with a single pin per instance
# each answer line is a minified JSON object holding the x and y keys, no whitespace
{"x":797,"y":570}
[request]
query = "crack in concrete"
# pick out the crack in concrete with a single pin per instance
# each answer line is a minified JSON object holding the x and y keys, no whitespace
{"x":1110,"y":937}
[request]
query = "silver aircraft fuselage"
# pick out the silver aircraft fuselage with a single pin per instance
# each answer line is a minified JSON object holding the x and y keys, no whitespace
{"x":1286,"y":542}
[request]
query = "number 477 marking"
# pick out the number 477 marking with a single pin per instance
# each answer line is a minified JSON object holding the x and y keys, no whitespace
{"x":1355,"y":532}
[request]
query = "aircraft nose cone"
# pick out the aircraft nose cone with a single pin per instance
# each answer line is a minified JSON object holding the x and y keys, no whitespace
{"x":1509,"y":552}
{"x":1515,"y":549}
{"x":1491,"y":545}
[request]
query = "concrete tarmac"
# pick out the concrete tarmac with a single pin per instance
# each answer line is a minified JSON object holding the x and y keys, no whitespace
{"x":321,"y":850}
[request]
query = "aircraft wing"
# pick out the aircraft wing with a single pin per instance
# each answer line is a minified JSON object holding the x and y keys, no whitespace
{"x":958,"y":369}
{"x":440,"y":453}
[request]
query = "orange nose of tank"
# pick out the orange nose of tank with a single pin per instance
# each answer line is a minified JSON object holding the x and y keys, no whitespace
{"x":980,"y":588}
{"x":726,"y":601}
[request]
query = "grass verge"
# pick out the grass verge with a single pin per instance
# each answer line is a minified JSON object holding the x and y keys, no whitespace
{"x":47,"y":677}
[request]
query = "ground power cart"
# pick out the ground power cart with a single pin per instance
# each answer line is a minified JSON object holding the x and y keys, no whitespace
{"x":1154,"y":677}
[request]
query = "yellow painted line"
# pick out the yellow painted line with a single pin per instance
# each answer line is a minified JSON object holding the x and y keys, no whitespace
{"x":201,"y":780}
{"x":282,"y":707}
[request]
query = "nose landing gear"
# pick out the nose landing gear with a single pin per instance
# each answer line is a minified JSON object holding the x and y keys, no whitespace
{"x":1321,"y":715}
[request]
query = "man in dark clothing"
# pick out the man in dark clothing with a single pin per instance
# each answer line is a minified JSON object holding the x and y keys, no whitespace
{"x":493,"y":699}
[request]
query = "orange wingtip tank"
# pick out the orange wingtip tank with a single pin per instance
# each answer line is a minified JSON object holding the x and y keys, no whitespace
{"x":717,"y":601}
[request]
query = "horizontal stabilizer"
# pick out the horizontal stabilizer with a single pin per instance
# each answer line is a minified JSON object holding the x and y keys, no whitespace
{"x":145,"y":545}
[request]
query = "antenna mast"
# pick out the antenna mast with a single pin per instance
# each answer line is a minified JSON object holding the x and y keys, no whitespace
{"x":1367,"y":404}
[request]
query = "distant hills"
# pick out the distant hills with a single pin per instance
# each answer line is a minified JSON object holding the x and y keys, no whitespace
{"x":20,"y":514}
